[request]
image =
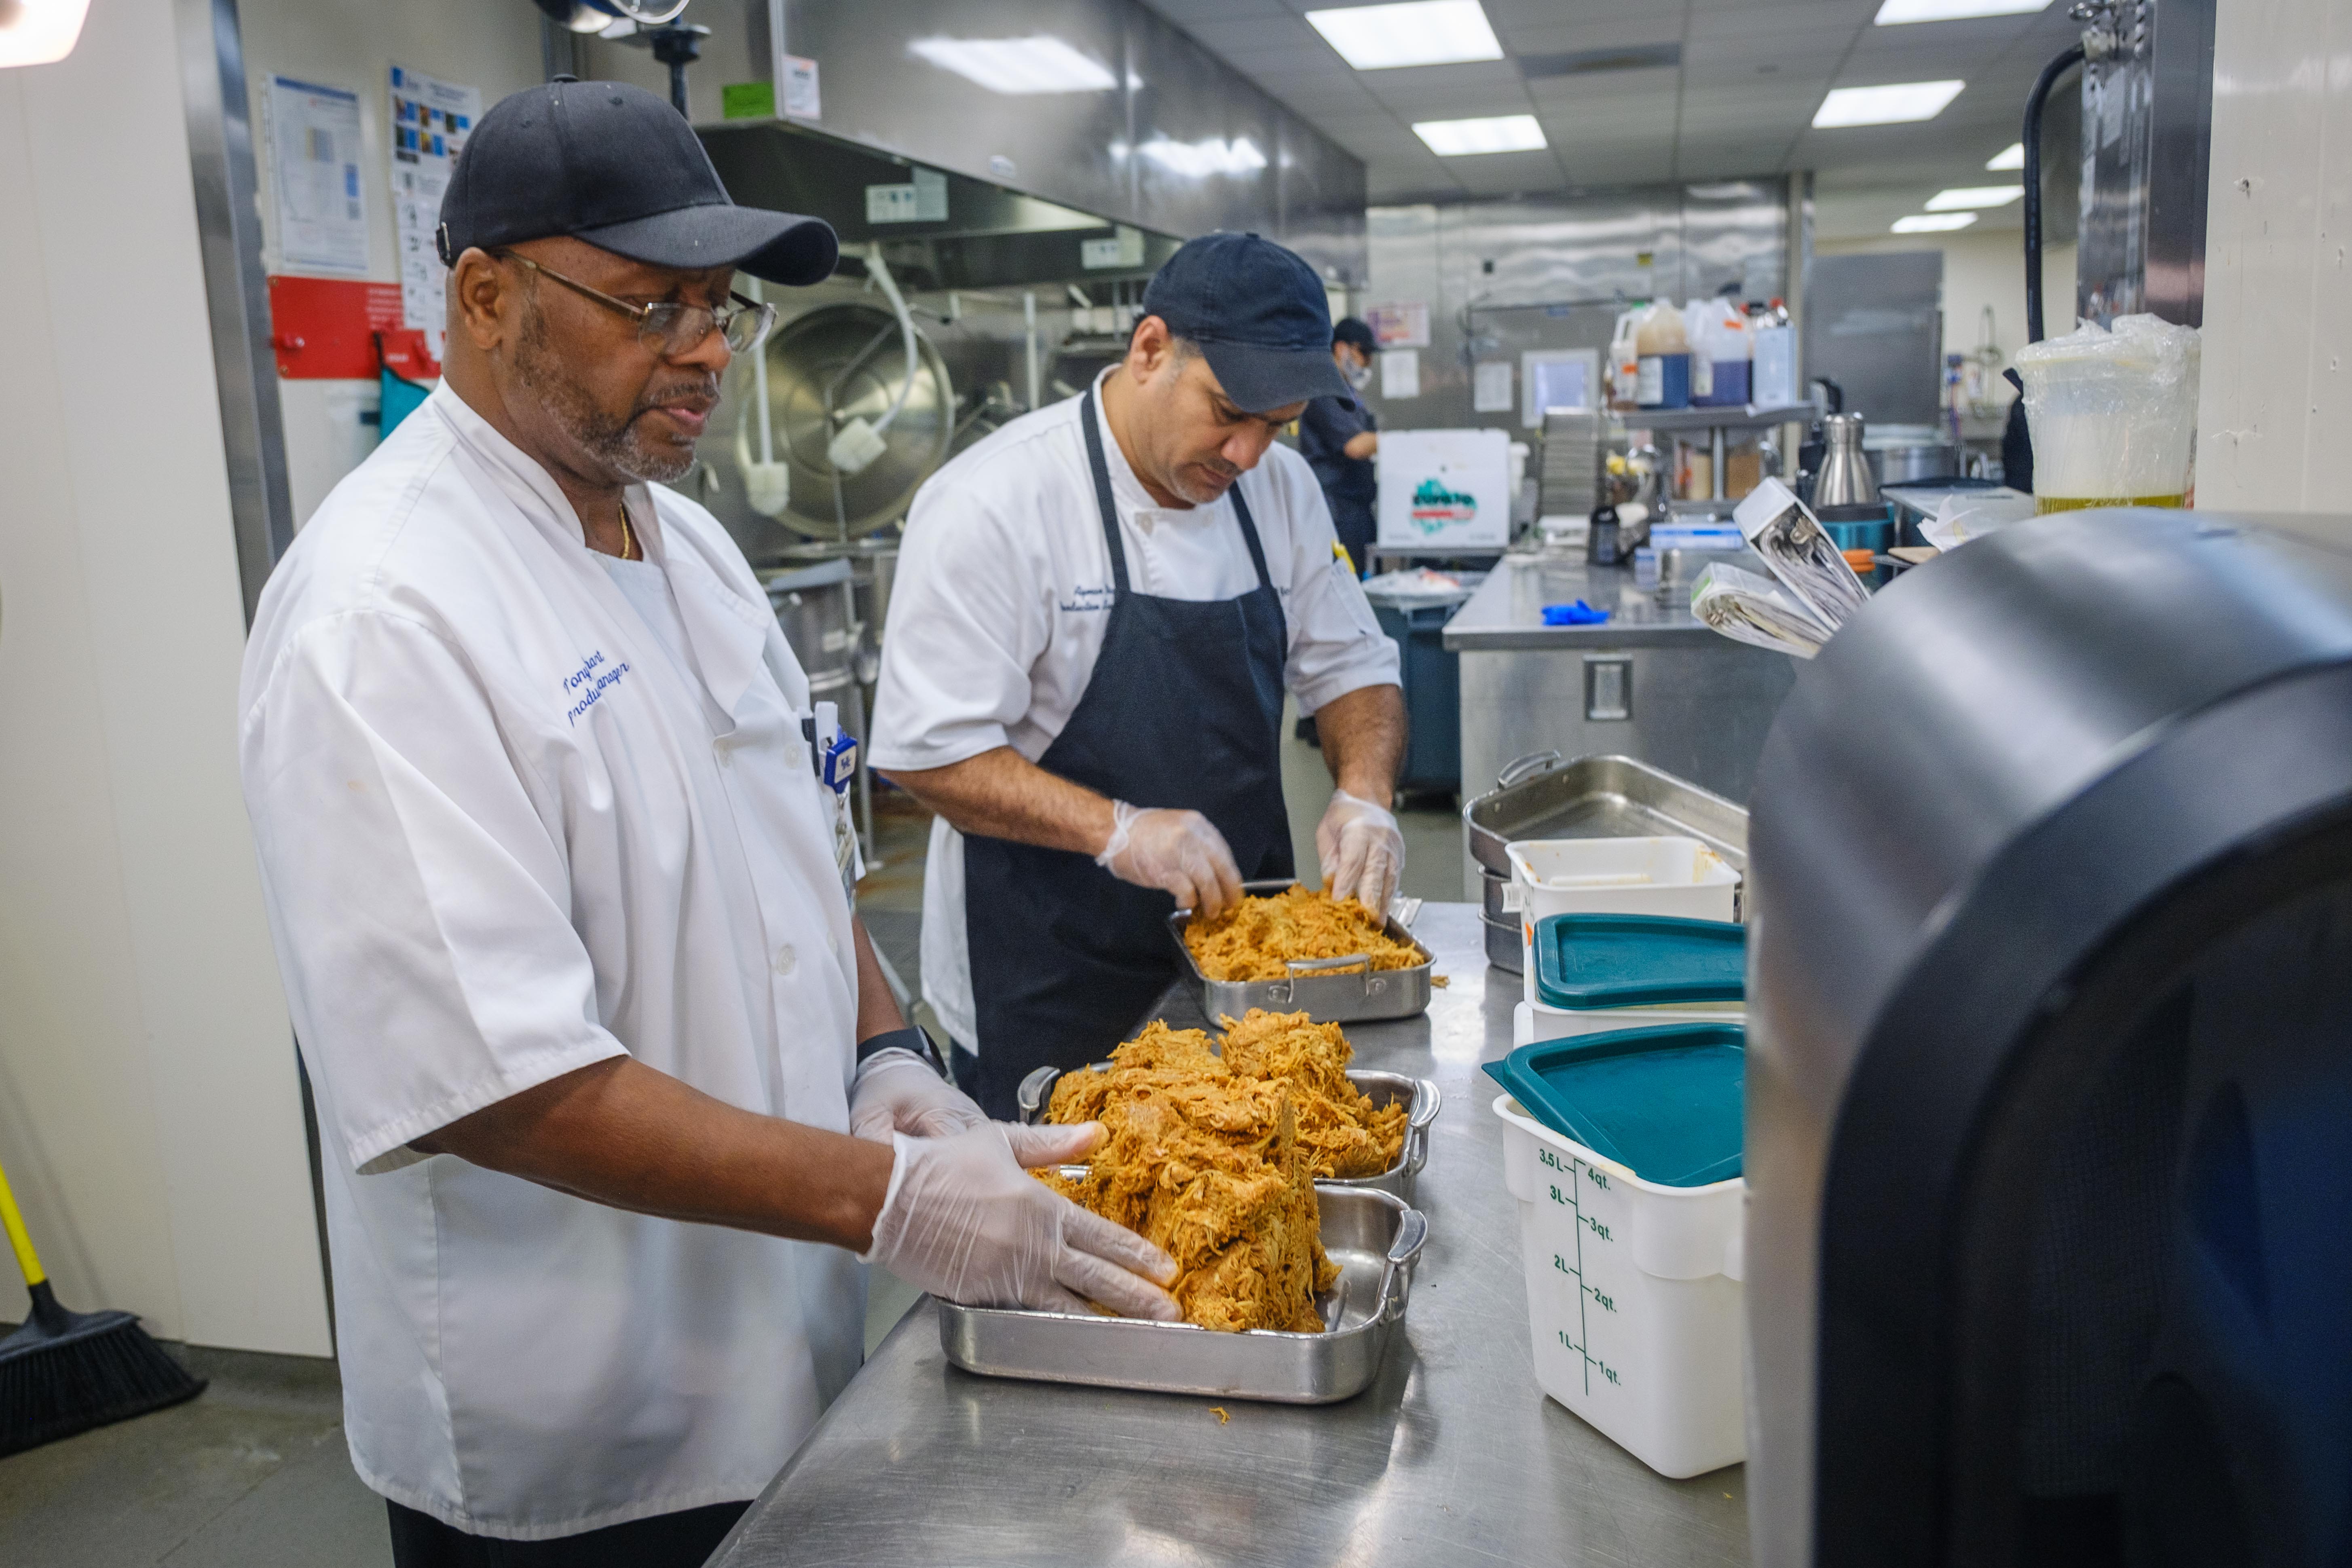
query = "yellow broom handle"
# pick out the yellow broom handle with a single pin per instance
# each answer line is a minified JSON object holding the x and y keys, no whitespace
{"x":26,"y":1258}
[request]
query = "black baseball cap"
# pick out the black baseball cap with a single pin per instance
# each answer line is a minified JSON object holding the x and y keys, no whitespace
{"x":1257,"y":313}
{"x":612,"y":164}
{"x":1357,"y":331}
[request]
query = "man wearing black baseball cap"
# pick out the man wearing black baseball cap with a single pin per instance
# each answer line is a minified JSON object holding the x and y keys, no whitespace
{"x":610,"y":1087}
{"x":1096,"y":612}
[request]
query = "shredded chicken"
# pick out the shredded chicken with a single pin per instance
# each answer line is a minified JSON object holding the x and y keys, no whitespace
{"x":1214,"y":1157}
{"x":1258,"y":938}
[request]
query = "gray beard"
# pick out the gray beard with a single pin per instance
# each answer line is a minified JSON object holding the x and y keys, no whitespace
{"x":619,"y":444}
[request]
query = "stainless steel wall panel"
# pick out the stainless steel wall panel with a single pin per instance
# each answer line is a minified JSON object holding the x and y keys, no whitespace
{"x":1502,"y":278}
{"x":2147,"y":118}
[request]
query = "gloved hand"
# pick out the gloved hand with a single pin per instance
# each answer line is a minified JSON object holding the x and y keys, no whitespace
{"x":1360,"y":851}
{"x":897,"y":1091}
{"x":1179,"y":852}
{"x":964,"y":1220}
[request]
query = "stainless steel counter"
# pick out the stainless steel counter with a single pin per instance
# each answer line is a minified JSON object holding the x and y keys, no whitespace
{"x":1506,"y":612}
{"x":1451,"y":1456}
{"x":1652,"y":682}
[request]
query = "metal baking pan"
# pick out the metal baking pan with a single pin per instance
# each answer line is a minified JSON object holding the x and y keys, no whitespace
{"x":1312,"y":987}
{"x":1372,"y":1237}
{"x":1380,"y":1087}
{"x":1596,"y":798}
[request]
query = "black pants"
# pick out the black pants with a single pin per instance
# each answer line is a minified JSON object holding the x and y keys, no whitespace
{"x":683,"y":1540}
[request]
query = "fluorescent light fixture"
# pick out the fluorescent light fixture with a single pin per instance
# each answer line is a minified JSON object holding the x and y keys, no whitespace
{"x":1198,"y":160}
{"x":40,"y":32}
{"x":1966,"y":199}
{"x":1894,"y":104}
{"x":1421,"y":33}
{"x":1933,"y":223}
{"x":2010,"y":157}
{"x":1894,"y":12}
{"x":1017,"y":67}
{"x":1466,"y":138}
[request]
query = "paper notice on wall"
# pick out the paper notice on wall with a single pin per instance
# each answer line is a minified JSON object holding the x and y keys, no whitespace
{"x":1490,"y":388}
{"x":314,"y":164}
{"x":1399,"y":373}
{"x":800,"y":96}
{"x":1402,"y":325}
{"x":430,"y":121}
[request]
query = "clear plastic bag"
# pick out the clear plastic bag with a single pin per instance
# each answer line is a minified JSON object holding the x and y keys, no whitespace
{"x":2114,"y":415}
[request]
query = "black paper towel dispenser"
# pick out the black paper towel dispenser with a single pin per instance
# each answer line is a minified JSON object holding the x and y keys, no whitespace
{"x":2050,"y":1070}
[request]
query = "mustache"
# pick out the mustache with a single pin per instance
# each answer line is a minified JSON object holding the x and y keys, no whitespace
{"x":700,"y":393}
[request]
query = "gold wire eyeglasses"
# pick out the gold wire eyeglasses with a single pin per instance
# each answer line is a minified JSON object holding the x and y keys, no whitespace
{"x":668,"y":327}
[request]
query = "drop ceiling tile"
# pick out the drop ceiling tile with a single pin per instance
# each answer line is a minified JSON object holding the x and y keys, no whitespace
{"x":1505,"y":13}
{"x":1744,"y":18}
{"x":1239,"y":40}
{"x":1185,"y":13}
{"x":1604,"y":86}
{"x":1619,"y":30}
{"x":1500,"y":174}
{"x":1608,"y":122}
{"x":1820,"y":48}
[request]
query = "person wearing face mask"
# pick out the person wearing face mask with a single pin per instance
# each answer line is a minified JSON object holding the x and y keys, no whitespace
{"x":1096,"y":612}
{"x":1338,"y":437}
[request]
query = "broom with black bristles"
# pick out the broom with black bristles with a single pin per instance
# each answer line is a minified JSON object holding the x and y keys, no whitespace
{"x":64,"y":1373}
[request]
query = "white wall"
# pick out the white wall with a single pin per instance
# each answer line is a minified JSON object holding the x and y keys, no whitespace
{"x":149,"y":1108}
{"x":1982,"y":268}
{"x":2277,"y":390}
{"x":493,"y":45}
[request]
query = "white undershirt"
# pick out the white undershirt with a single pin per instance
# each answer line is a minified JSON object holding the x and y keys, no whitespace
{"x":647,"y":587}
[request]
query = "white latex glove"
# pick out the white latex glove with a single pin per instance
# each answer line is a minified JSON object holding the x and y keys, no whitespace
{"x":1179,"y":852}
{"x":897,"y":1091}
{"x":964,"y":1220}
{"x":1359,"y":850}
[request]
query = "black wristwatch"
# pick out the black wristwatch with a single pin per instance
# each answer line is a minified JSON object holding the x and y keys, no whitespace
{"x":909,"y":1039}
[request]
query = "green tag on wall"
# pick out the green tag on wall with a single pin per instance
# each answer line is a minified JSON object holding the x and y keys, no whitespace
{"x":748,"y":100}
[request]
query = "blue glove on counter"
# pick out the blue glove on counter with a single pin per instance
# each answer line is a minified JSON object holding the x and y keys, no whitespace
{"x":1579,"y":613}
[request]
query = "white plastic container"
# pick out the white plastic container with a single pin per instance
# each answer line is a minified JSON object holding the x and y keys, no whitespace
{"x":1635,"y":1298}
{"x":1665,"y":876}
{"x":1533,"y":1020}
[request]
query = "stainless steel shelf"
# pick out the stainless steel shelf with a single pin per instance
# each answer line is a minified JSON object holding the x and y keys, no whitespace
{"x":1680,"y":421}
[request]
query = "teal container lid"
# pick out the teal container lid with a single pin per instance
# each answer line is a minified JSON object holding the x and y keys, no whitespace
{"x":1587,"y":962}
{"x":1666,"y":1104}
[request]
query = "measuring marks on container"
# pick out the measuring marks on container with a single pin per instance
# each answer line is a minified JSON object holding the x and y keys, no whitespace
{"x":1566,"y":1182}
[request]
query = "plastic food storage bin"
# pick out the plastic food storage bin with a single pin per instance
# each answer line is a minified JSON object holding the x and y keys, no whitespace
{"x":1663,"y":876}
{"x":1587,"y":973}
{"x":1635,"y":1259}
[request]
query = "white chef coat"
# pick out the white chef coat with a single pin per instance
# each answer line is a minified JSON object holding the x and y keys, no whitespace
{"x":1003,"y":593}
{"x":503,"y":835}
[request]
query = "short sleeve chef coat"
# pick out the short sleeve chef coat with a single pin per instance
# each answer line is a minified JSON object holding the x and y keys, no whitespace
{"x":503,"y":835}
{"x":1004,"y":588}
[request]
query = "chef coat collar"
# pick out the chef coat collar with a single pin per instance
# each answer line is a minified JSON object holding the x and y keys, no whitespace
{"x":729,"y":635}
{"x":1126,"y":491}
{"x":517,"y":469}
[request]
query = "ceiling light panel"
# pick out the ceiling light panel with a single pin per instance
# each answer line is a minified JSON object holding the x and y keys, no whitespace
{"x":1017,"y":67}
{"x":41,"y":32}
{"x":1419,"y":33}
{"x":1895,"y":13}
{"x":2010,"y":157}
{"x":1969,"y":198}
{"x":1468,"y":138}
{"x":1895,"y":103}
{"x":1933,"y":223}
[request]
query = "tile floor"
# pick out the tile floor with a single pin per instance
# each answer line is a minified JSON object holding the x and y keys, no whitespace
{"x":254,"y":1473}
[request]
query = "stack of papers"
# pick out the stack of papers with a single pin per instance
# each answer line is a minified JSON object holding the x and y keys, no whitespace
{"x":1747,"y":608}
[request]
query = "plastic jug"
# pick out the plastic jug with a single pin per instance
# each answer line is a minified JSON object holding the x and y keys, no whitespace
{"x":1624,"y":362}
{"x":1772,"y":373}
{"x":1663,"y":349}
{"x":2114,"y":415}
{"x":1719,"y":353}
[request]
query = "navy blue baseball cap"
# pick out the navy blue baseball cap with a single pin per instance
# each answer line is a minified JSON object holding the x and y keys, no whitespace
{"x":615,"y":166}
{"x":1258,"y":315}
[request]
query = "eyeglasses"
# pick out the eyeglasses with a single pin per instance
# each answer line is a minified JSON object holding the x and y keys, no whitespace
{"x":667,"y":327}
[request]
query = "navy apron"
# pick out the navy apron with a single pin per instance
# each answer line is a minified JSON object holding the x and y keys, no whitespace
{"x":1185,"y":709}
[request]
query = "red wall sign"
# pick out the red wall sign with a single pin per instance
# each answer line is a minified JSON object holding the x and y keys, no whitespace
{"x":324,"y":329}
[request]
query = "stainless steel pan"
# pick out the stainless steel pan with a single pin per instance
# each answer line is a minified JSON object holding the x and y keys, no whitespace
{"x":1373,"y":1237}
{"x":1312,"y":986}
{"x":1380,"y":1087}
